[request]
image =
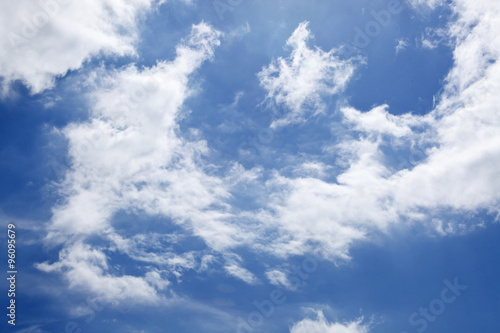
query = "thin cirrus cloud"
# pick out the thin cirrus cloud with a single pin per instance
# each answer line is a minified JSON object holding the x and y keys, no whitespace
{"x":241,"y":273}
{"x":279,"y":279}
{"x":427,"y":3}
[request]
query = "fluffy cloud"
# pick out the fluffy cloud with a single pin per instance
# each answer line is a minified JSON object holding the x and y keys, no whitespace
{"x":300,"y":81}
{"x":86,"y":268}
{"x":129,"y":153}
{"x":456,"y":172}
{"x":460,"y":172}
{"x":321,"y":325}
{"x":379,"y":121}
{"x":44,"y":39}
{"x":129,"y":156}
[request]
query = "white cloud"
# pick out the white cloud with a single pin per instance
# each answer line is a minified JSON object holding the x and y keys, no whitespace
{"x":155,"y":279}
{"x":433,"y":37}
{"x":429,"y":3}
{"x":279,"y":279}
{"x":429,"y":44}
{"x":44,"y":39}
{"x":380,"y":121}
{"x":321,"y":325}
{"x":241,"y":273}
{"x":315,"y":215}
{"x":85,"y":268}
{"x":402,"y":45}
{"x":458,"y":172}
{"x":299,"y":82}
{"x":130,"y":157}
{"x":312,"y":169}
{"x":129,"y":154}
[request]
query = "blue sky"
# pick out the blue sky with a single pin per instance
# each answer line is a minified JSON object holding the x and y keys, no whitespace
{"x":251,"y":166}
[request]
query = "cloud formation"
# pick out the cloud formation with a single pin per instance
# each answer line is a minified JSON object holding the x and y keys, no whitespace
{"x":44,"y":39}
{"x":455,"y":170}
{"x":300,"y":82}
{"x":321,"y":325}
{"x":130,"y":157}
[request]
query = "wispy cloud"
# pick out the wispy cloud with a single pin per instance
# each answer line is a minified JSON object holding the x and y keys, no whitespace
{"x":279,"y":279}
{"x":402,"y":45}
{"x":241,"y":273}
{"x":300,"y":82}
